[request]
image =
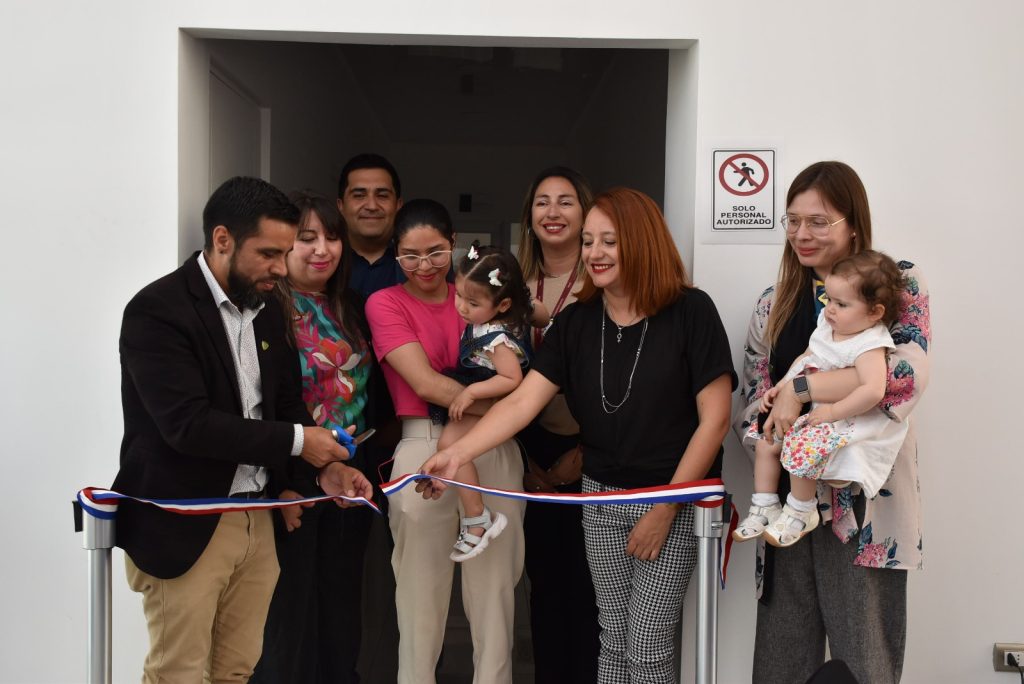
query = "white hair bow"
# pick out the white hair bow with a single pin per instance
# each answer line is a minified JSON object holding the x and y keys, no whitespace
{"x":473,"y":255}
{"x":493,"y":276}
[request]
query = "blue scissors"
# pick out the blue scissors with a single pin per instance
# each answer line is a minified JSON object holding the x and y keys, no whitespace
{"x":349,"y":442}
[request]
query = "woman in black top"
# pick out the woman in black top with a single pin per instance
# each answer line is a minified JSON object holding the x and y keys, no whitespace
{"x":645,"y":366}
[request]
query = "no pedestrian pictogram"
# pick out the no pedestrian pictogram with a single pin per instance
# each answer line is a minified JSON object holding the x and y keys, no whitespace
{"x":743,"y":174}
{"x":744,"y":182}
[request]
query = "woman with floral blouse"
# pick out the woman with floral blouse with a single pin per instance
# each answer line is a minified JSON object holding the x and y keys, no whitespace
{"x":313,"y":628}
{"x":847,"y":584}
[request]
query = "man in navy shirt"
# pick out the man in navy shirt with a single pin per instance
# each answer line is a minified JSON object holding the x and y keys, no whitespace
{"x":369,"y":196}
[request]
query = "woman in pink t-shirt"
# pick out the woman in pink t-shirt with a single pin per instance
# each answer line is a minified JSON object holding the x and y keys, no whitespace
{"x":416,"y":332}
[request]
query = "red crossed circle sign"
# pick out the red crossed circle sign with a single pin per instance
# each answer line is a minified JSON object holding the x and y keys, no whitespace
{"x":731,"y":165}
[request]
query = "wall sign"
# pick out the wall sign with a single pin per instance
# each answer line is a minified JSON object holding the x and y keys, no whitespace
{"x":744,"y":196}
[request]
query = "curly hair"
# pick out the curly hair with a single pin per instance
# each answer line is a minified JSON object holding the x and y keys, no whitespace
{"x":879,"y":281}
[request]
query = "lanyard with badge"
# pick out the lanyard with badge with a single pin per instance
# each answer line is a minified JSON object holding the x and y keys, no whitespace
{"x":538,"y":333}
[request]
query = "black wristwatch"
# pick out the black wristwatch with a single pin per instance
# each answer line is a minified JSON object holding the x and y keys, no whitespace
{"x":800,"y":388}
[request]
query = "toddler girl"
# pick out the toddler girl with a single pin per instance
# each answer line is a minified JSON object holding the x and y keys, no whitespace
{"x":491,"y":295}
{"x":850,"y":442}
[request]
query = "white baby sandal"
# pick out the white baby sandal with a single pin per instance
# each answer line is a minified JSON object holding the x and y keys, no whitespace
{"x":469,"y":545}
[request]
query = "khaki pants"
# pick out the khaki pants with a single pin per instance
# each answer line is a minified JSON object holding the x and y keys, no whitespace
{"x":424,"y":532}
{"x":207,"y":625}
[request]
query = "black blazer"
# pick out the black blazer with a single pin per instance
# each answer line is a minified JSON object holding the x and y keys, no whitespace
{"x":184,"y":434}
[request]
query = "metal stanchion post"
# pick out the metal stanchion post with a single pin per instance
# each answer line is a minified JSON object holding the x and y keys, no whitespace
{"x":707,"y":527}
{"x":98,"y":540}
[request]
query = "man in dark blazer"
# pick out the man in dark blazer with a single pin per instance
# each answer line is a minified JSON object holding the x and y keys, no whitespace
{"x":212,"y":405}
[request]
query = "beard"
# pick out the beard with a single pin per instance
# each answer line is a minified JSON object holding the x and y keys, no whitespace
{"x":243,"y":292}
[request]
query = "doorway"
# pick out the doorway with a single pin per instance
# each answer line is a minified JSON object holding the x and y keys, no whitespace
{"x":469,"y":126}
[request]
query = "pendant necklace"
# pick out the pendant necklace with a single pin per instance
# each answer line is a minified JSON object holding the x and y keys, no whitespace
{"x":618,"y":335}
{"x":608,"y":406}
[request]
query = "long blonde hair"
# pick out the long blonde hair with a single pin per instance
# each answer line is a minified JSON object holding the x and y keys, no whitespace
{"x":530,"y":255}
{"x":841,"y":187}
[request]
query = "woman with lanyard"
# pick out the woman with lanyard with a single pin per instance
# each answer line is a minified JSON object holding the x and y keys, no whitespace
{"x":563,"y":612}
{"x":644,"y":362}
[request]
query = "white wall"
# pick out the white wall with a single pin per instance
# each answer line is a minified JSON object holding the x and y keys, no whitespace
{"x":923,"y":98}
{"x":919,"y":98}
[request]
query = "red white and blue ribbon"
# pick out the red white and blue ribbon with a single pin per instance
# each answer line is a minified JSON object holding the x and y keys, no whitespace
{"x":704,"y":493}
{"x":102,"y":503}
{"x":683,"y":492}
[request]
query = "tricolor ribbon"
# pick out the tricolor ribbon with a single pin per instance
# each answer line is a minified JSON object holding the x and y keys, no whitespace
{"x":102,"y":503}
{"x":703,"y":493}
{"x":683,"y":492}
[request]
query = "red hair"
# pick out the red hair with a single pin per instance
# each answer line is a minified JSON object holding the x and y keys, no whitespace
{"x":651,"y":271}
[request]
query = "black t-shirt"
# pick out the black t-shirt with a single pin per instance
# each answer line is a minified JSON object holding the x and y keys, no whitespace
{"x":684,"y":349}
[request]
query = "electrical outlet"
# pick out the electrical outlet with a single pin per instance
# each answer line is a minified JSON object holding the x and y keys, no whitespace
{"x":1000,"y":656}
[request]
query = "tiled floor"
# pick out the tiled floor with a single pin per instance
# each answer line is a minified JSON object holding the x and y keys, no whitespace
{"x":378,"y":661}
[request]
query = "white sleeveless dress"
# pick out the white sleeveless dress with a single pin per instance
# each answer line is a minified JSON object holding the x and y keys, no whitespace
{"x":860,"y":449}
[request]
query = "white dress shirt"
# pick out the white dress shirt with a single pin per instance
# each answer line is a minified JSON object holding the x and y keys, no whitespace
{"x":242,"y":340}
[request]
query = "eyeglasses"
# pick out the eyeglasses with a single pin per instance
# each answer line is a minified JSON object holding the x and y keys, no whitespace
{"x":818,"y":225}
{"x":411,"y":262}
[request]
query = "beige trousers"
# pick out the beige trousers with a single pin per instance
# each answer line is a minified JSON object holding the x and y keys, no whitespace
{"x":424,"y":532}
{"x":207,"y":625}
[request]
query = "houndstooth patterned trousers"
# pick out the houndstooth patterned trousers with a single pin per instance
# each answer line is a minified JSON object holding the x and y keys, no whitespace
{"x":639,"y":602}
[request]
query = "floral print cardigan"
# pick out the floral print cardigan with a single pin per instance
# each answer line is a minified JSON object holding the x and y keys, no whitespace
{"x":890,"y":534}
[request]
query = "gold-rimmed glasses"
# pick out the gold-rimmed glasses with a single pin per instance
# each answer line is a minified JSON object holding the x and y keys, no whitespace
{"x":817,"y":224}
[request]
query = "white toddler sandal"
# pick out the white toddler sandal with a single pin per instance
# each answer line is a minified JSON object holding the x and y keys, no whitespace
{"x":757,"y":520}
{"x":791,"y":526}
{"x":469,"y":545}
